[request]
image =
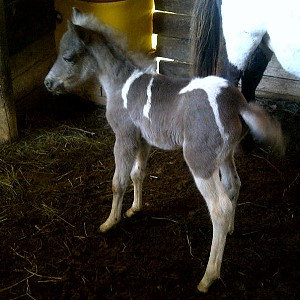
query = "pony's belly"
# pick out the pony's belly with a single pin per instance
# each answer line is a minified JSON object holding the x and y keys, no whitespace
{"x":161,"y":139}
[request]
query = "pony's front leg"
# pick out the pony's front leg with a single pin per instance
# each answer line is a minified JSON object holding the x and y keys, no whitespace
{"x":125,"y":152}
{"x":138,"y":173}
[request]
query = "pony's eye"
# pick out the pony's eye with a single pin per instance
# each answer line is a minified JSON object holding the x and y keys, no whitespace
{"x":68,"y":58}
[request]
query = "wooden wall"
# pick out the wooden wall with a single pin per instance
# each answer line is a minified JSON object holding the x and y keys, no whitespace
{"x":30,"y":28}
{"x":172,"y":24}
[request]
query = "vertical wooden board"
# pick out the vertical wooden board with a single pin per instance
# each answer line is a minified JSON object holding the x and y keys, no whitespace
{"x":8,"y":120}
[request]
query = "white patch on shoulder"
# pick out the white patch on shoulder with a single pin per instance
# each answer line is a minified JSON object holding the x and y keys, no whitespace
{"x":147,"y":106}
{"x":135,"y":75}
{"x":212,"y":86}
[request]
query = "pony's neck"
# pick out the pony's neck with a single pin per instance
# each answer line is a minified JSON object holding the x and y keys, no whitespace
{"x":114,"y":71}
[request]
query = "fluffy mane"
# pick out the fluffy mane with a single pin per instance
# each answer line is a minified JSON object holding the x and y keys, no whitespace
{"x":116,"y":40}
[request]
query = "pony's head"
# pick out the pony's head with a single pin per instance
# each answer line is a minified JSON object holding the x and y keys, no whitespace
{"x":88,"y":50}
{"x":75,"y":64}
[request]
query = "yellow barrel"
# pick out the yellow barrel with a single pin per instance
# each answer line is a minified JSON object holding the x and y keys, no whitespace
{"x":133,"y":17}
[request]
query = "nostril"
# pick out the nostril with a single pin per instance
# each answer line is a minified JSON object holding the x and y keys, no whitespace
{"x":48,"y":83}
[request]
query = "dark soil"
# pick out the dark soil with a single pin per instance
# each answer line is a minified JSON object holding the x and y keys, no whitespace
{"x":55,"y":191}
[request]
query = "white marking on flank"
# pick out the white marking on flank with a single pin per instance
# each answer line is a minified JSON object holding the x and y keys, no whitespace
{"x":212,"y":86}
{"x":147,"y":106}
{"x":135,"y":75}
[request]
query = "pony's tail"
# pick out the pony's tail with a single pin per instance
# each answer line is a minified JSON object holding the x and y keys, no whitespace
{"x":263,"y":127}
{"x":205,"y":38}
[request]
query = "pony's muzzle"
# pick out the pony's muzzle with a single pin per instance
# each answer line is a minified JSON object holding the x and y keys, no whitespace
{"x":53,"y":85}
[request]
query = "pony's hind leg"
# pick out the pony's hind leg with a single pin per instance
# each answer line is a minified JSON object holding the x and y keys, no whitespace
{"x":137,"y":176}
{"x":125,"y":152}
{"x":221,"y":210}
{"x":231,"y":182}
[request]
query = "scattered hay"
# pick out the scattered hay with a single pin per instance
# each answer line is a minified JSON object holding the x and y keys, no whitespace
{"x":55,"y":190}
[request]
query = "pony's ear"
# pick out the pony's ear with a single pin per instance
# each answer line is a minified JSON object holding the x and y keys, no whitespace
{"x":82,"y":33}
{"x":76,"y":13}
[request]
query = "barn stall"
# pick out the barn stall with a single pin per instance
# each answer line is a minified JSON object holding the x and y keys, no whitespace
{"x":55,"y":188}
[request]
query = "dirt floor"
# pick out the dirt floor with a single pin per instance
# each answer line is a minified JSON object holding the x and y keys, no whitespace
{"x":55,"y":191}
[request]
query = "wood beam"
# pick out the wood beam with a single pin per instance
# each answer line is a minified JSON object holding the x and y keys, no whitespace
{"x":8,"y":120}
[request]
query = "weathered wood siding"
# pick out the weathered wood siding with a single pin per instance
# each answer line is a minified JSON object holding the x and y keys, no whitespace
{"x":30,"y":66}
{"x":172,"y":23}
{"x":30,"y":35}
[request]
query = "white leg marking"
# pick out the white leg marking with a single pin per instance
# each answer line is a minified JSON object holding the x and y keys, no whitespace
{"x":220,"y":209}
{"x":137,"y":175}
{"x":135,"y":75}
{"x":147,"y":106}
{"x":212,"y":86}
{"x":232,"y":184}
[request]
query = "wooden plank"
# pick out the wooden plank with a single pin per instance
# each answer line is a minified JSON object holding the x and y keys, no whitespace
{"x":8,"y":120}
{"x":274,"y":87}
{"x":30,"y":66}
{"x":171,"y":25}
{"x":173,"y":48}
{"x":270,"y":86}
{"x":274,"y":69}
{"x":34,"y":77}
{"x":178,"y":49}
{"x":176,"y":6}
{"x":172,"y":68}
{"x":38,"y":51}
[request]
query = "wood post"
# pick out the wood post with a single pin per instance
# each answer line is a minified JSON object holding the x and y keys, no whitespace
{"x":8,"y":120}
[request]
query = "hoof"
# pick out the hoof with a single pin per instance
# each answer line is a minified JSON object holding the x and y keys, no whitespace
{"x":231,"y":229}
{"x":203,"y":288}
{"x":107,"y":226}
{"x":103,"y":228}
{"x":130,"y":212}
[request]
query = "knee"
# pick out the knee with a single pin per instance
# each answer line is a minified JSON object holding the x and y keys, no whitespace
{"x":226,"y":207}
{"x":118,"y":185}
{"x":137,"y":173}
{"x":222,"y":213}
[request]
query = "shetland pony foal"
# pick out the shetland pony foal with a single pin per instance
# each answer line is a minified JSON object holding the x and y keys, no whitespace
{"x":201,"y":115}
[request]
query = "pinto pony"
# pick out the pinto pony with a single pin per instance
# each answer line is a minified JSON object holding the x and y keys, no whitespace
{"x":201,"y":115}
{"x":236,"y":39}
